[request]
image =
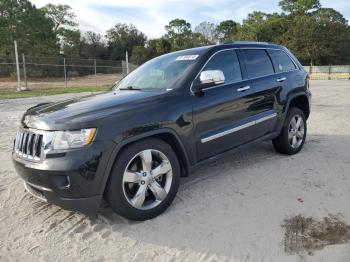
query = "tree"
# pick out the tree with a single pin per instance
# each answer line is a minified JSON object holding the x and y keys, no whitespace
{"x":93,"y":46}
{"x":197,"y":39}
{"x":273,"y":28}
{"x":227,"y":31}
{"x":64,"y":27}
{"x":153,"y":48}
{"x":140,"y":54}
{"x":61,"y":15}
{"x":162,"y":46}
{"x":72,"y":44}
{"x":178,"y":33}
{"x":208,"y":30}
{"x":93,"y":38}
{"x":22,"y":21}
{"x":123,"y":37}
{"x":252,"y":26}
{"x":299,"y":6}
{"x":322,"y":37}
{"x":335,"y":36}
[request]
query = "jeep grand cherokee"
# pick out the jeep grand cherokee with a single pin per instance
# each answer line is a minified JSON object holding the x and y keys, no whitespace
{"x":130,"y":146}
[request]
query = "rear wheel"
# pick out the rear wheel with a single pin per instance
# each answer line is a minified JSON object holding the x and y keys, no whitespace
{"x":292,"y":137}
{"x":144,"y":180}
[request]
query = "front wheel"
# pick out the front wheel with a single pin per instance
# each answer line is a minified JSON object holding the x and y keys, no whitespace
{"x":144,"y":180}
{"x":293,"y":134}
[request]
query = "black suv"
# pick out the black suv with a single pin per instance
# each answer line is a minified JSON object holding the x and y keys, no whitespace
{"x":131,"y":145}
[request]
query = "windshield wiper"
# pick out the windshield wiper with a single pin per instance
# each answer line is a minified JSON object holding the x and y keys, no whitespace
{"x":130,"y":88}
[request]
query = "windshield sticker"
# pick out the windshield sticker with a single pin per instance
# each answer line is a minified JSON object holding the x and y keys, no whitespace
{"x":186,"y":57}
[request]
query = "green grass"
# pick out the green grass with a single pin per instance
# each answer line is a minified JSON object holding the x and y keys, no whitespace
{"x":52,"y":91}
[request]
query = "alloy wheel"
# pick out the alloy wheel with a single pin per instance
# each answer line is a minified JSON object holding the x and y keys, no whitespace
{"x":147,"y":179}
{"x":296,"y":131}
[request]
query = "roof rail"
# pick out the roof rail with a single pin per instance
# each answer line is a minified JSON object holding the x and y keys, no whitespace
{"x":247,"y":42}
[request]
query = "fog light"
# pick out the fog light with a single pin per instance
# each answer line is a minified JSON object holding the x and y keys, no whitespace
{"x":62,"y":182}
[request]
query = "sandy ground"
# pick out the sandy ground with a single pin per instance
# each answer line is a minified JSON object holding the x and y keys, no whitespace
{"x":231,"y":210}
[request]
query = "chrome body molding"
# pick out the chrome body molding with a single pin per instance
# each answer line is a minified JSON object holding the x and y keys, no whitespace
{"x":39,"y":187}
{"x":265,"y":118}
{"x":238,"y":128}
{"x":30,"y":190}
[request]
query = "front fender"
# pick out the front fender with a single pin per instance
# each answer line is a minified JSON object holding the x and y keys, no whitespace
{"x":117,"y":147}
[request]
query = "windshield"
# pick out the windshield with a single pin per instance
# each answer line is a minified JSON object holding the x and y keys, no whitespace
{"x":159,"y":73}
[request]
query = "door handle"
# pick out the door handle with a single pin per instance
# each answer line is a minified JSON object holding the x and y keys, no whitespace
{"x":281,"y":79}
{"x":243,"y":88}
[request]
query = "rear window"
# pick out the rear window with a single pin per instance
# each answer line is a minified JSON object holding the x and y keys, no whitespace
{"x":257,"y":63}
{"x":281,"y":61}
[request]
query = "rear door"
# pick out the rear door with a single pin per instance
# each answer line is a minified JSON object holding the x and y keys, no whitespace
{"x":262,"y":80}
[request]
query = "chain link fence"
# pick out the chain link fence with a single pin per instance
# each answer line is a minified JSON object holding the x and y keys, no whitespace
{"x":58,"y":72}
{"x":329,"y":72}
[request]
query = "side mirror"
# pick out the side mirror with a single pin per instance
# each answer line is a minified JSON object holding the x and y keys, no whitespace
{"x":207,"y":79}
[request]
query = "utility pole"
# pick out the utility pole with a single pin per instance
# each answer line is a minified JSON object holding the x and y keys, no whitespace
{"x":17,"y":67}
{"x":24,"y":71}
{"x":127,"y":62}
{"x":65,"y":71}
{"x":95,"y":72}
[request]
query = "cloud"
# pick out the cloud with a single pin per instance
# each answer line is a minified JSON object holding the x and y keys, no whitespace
{"x":150,"y":16}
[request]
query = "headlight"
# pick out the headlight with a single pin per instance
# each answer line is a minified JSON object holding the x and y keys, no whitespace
{"x":73,"y":138}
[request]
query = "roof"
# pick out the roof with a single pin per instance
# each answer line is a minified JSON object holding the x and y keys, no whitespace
{"x":250,"y":44}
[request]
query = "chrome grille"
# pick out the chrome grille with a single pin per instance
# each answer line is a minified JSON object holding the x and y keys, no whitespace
{"x":28,"y":144}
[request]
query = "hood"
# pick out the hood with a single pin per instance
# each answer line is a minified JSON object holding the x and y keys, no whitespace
{"x":83,"y":111}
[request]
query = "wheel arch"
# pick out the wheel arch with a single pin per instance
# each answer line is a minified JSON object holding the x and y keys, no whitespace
{"x":301,"y":101}
{"x":167,"y":135}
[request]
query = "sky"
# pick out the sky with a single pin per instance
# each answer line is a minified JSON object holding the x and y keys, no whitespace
{"x":150,"y":16}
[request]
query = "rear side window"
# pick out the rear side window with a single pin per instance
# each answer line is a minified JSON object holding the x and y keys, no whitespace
{"x":257,"y":63}
{"x":227,"y":62}
{"x":281,"y":61}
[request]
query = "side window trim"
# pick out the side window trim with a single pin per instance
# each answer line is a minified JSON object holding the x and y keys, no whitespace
{"x":242,"y":65}
{"x":273,"y":64}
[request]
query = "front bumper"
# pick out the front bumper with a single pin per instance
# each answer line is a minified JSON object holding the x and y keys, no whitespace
{"x":71,"y":180}
{"x":88,"y":205}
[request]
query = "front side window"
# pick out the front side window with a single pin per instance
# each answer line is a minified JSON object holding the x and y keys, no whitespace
{"x":227,"y":62}
{"x":281,"y":61}
{"x":257,"y":63}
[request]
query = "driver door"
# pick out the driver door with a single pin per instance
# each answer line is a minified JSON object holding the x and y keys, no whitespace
{"x":222,"y":114}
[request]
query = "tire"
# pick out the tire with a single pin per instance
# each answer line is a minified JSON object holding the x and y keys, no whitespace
{"x":284,"y":144}
{"x":139,"y":194}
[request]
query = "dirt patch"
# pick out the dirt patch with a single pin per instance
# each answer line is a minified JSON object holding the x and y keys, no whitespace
{"x":305,"y":234}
